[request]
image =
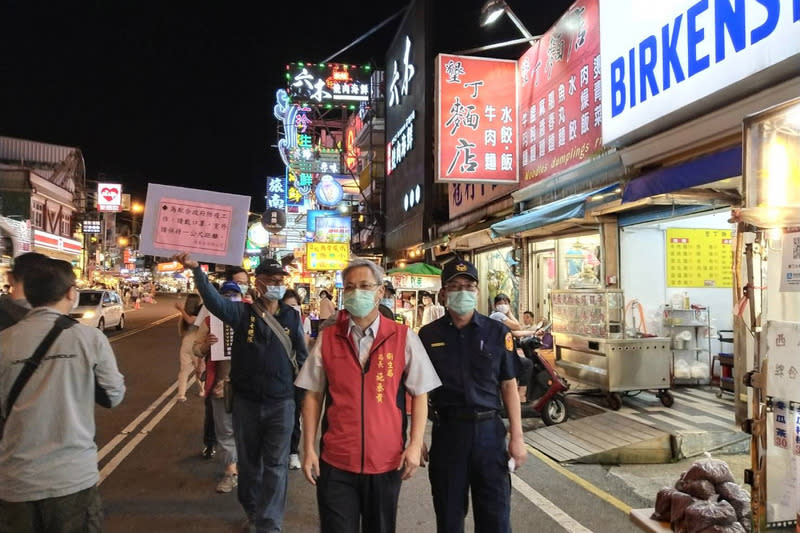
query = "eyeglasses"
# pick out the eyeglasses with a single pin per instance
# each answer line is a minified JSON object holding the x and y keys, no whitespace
{"x":362,"y":286}
{"x":472,"y":287}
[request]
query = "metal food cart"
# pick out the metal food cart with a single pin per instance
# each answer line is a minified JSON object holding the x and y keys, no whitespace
{"x":591,"y":347}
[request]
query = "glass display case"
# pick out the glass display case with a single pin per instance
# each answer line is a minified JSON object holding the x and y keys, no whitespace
{"x":589,"y":312}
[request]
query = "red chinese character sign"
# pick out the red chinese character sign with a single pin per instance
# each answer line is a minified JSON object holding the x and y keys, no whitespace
{"x":559,"y":80}
{"x":210,"y":225}
{"x":476,"y":120}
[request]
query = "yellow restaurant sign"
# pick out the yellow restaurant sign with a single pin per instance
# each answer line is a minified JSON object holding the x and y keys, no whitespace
{"x":327,"y":256}
{"x":699,"y":258}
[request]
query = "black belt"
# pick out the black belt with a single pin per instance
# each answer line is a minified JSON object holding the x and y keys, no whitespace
{"x":467,"y":414}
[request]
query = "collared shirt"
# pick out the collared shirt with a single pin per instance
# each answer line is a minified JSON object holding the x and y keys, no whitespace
{"x":472,"y":361}
{"x":420,"y":376}
{"x":48,"y":449}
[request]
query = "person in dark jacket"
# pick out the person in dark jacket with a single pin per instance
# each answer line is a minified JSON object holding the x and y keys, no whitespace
{"x":262,"y":375}
{"x":14,"y":306}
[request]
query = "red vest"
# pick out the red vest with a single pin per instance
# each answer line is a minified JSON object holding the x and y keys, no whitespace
{"x":363,"y":422}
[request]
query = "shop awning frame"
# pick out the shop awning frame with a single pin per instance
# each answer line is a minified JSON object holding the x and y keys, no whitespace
{"x":571,"y":207}
{"x":700,"y":171}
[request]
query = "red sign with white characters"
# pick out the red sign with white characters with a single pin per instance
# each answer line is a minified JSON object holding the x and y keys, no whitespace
{"x":109,"y":197}
{"x":476,"y":120}
{"x":559,"y":80}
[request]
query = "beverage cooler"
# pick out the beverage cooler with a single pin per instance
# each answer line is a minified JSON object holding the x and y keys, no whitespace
{"x":592,"y":347}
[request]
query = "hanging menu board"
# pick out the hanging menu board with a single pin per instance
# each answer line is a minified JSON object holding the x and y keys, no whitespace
{"x":699,"y":258}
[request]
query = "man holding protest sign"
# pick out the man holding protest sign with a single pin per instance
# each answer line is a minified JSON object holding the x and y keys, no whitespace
{"x":268,"y":347}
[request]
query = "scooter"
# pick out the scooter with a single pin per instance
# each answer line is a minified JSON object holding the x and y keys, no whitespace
{"x":546,"y":389}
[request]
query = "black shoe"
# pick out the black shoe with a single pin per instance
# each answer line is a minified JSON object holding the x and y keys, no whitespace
{"x":209,"y":452}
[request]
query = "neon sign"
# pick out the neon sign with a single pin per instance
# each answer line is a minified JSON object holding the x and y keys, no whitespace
{"x":401,"y":144}
{"x":325,"y":83}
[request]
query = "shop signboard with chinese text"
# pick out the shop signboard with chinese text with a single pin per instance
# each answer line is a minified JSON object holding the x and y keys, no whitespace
{"x":476,"y":120}
{"x":212,"y":226}
{"x":699,"y":258}
{"x":327,"y":256}
{"x":409,"y":104}
{"x":465,"y":197}
{"x":109,"y":197}
{"x":560,"y":95}
{"x":328,"y":83}
{"x":667,"y":62}
{"x":416,"y":282}
{"x":276,"y":192}
{"x":20,"y":233}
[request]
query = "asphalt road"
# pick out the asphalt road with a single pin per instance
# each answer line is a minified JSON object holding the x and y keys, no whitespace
{"x":154,"y":479}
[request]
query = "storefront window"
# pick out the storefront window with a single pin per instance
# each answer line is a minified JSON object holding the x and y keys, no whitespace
{"x":496,"y":273}
{"x":579,"y":262}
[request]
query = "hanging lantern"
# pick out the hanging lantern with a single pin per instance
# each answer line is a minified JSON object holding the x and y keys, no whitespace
{"x":771,"y":170}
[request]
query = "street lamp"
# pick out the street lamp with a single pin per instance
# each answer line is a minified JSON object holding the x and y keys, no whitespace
{"x":136,"y":209}
{"x":122,"y":241}
{"x":494,"y":9}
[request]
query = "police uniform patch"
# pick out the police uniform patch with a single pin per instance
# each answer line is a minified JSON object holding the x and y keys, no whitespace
{"x":509,"y":342}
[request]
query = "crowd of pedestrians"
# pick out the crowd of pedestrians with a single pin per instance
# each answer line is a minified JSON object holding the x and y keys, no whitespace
{"x":374,"y":381}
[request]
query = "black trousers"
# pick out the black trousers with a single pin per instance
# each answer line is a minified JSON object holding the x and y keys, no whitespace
{"x":344,"y":497}
{"x":299,"y":394}
{"x":209,"y":433}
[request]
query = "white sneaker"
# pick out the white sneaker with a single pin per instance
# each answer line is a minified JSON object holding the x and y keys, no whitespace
{"x":228,"y":483}
{"x":294,"y":462}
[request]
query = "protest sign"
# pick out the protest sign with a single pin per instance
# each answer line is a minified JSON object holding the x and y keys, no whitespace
{"x":210,"y":225}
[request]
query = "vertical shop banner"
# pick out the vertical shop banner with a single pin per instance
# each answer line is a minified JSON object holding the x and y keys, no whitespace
{"x":560,"y":114}
{"x":210,"y":225}
{"x":276,"y":192}
{"x":699,"y":258}
{"x":476,"y":120}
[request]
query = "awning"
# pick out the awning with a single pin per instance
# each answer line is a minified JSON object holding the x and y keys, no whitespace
{"x":570,"y":207}
{"x":705,"y":169}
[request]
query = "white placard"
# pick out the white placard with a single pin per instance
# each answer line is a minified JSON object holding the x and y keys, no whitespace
{"x":210,"y":225}
{"x":220,"y":350}
{"x":660,"y":60}
{"x":109,"y":197}
{"x":783,"y":359}
{"x":790,"y":263}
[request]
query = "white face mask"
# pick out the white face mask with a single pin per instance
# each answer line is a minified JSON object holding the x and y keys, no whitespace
{"x":77,"y":300}
{"x":503,"y":308}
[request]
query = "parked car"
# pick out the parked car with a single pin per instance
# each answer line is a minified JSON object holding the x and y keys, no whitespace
{"x":100,"y":309}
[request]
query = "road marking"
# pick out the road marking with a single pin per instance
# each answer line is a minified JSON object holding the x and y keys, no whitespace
{"x":150,"y":325}
{"x":548,"y":507}
{"x":138,"y":420}
{"x":597,"y":491}
{"x":115,"y":461}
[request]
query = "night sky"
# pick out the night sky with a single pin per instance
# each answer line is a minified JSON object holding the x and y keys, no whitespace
{"x":181,"y":93}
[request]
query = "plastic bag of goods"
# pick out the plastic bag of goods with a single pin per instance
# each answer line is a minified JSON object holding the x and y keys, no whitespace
{"x":682,"y":369}
{"x":699,"y":370}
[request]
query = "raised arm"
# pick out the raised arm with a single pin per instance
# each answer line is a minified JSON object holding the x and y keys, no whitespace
{"x":222,"y":308}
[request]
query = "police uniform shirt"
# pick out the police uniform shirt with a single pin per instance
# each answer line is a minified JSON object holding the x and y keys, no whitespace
{"x":472,"y":361}
{"x":420,"y":376}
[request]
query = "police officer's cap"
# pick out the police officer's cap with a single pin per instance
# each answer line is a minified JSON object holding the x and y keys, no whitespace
{"x":459,"y":268}
{"x":270,"y":267}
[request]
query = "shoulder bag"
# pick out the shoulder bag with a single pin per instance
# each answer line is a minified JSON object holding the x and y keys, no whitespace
{"x":278,"y":330}
{"x":31,"y":364}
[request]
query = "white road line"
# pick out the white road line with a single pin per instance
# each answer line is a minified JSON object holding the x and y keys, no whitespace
{"x":110,"y":445}
{"x":548,"y":507}
{"x":115,"y":461}
{"x":148,"y":326}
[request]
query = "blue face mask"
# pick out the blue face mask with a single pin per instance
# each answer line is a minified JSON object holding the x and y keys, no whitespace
{"x":359,"y":302}
{"x":388,"y":302}
{"x":461,"y":302}
{"x":274,"y":292}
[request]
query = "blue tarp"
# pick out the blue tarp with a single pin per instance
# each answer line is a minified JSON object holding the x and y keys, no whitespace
{"x":570,"y":207}
{"x":706,"y":169}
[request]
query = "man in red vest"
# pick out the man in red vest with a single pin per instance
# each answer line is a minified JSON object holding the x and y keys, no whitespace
{"x":363,"y":365}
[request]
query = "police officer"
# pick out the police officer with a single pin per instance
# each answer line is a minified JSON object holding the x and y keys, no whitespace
{"x":474,"y":359}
